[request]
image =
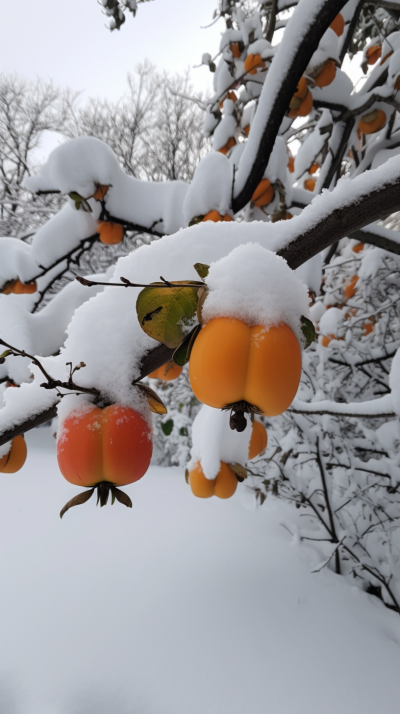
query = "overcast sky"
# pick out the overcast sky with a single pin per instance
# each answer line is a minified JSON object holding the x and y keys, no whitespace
{"x":66,"y":40}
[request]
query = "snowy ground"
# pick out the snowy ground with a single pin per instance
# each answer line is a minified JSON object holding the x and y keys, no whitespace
{"x":180,"y":606}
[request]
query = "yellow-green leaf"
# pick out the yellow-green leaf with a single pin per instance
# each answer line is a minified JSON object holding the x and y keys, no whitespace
{"x":166,"y":314}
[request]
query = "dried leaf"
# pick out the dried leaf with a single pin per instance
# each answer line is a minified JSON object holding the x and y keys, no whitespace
{"x":201,"y":295}
{"x":239,"y":471}
{"x":77,"y":500}
{"x":308,"y":331}
{"x":166,"y":314}
{"x":156,"y":404}
{"x":187,"y":476}
{"x":103,"y":492}
{"x":121,"y":496}
{"x":201,"y":269}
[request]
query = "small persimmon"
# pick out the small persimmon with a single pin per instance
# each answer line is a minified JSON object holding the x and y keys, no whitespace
{"x":358,"y":247}
{"x":167,"y":372}
{"x":313,"y":168}
{"x":110,"y":233}
{"x":252,"y":63}
{"x":373,"y":53}
{"x":368,"y":327}
{"x":350,"y":289}
{"x":246,"y":129}
{"x":14,"y":460}
{"x":223,"y":486}
{"x":231,"y":95}
{"x":229,"y":145}
{"x":372,"y":122}
{"x":263,"y":194}
{"x":16,"y":287}
{"x":300,"y":107}
{"x":290,"y":164}
{"x":397,"y":83}
{"x":216,"y":217}
{"x":235,"y":49}
{"x":337,"y":25}
{"x":326,"y":339}
{"x":309,"y":184}
{"x":258,"y":439}
{"x":383,"y":60}
{"x":100,"y":192}
{"x":326,"y":75}
{"x":245,"y":368}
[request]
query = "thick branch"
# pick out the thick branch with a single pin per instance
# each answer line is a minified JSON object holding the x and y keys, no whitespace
{"x":295,"y":68}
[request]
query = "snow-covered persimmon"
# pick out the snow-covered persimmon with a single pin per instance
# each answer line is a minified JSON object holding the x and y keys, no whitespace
{"x":110,"y":233}
{"x":14,"y":460}
{"x":232,"y":362}
{"x":112,"y":445}
{"x":230,"y":95}
{"x":309,"y":184}
{"x":372,"y":122}
{"x":216,"y":217}
{"x":229,"y":144}
{"x":302,"y":101}
{"x":223,"y":486}
{"x":167,"y":372}
{"x":373,"y":53}
{"x":235,"y":49}
{"x":350,"y":288}
{"x":17,"y":287}
{"x":258,"y":439}
{"x":326,"y":75}
{"x":337,"y":25}
{"x":253,"y":63}
{"x":263,"y":194}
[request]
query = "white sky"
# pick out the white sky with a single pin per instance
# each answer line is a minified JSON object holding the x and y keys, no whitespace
{"x":68,"y":42}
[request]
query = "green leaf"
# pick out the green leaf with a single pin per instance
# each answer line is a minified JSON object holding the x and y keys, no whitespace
{"x":167,"y":426}
{"x":5,"y":354}
{"x":196,"y":220}
{"x":187,"y":476}
{"x":166,"y":314}
{"x":201,"y":269}
{"x":308,"y":331}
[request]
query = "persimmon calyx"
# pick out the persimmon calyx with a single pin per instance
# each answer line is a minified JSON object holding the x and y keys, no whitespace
{"x":237,"y":420}
{"x":103,"y":492}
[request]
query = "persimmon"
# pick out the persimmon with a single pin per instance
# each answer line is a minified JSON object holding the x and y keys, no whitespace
{"x":112,"y":444}
{"x":372,"y":122}
{"x":16,"y":287}
{"x":326,"y":75}
{"x":313,"y":168}
{"x":309,"y":184}
{"x":326,"y":339}
{"x":167,"y":372}
{"x":373,"y":53}
{"x":231,"y":95}
{"x":263,"y":194}
{"x":16,"y":457}
{"x":290,"y":164}
{"x":246,"y":129}
{"x":300,"y":107}
{"x":337,"y":25}
{"x":100,"y":192}
{"x":368,"y":327}
{"x":358,"y":247}
{"x":245,"y":368}
{"x":216,"y":217}
{"x":235,"y":49}
{"x":110,"y":233}
{"x":383,"y":60}
{"x":397,"y":83}
{"x":258,"y":439}
{"x":252,"y":63}
{"x":229,"y":144}
{"x":350,"y":289}
{"x":223,"y":486}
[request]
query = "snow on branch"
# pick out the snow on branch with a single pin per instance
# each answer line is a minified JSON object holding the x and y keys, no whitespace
{"x":308,"y":23}
{"x":375,"y":408}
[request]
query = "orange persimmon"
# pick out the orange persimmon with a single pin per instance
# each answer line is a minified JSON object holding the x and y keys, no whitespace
{"x":16,"y":287}
{"x":112,"y":445}
{"x":100,"y":192}
{"x":313,"y":168}
{"x":337,"y":25}
{"x":383,"y":60}
{"x":223,"y":486}
{"x":232,"y":362}
{"x":235,"y":49}
{"x":252,"y":63}
{"x":263,"y":194}
{"x":216,"y":217}
{"x":167,"y":372}
{"x":16,"y":457}
{"x":373,"y":53}
{"x":368,"y":327}
{"x":258,"y":439}
{"x":372,"y":122}
{"x":110,"y":233}
{"x":358,"y":247}
{"x":350,"y":288}
{"x":290,"y":164}
{"x":231,"y":95}
{"x":326,"y":75}
{"x":309,"y":184}
{"x":300,"y":105}
{"x":229,"y":144}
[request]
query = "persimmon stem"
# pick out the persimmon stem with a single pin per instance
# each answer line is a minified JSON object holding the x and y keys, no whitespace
{"x":104,"y":488}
